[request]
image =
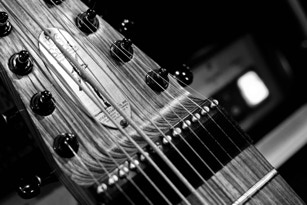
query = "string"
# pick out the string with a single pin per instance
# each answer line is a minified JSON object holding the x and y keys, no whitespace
{"x":174,"y":146}
{"x":187,"y":161}
{"x":77,"y":118}
{"x":80,"y":160}
{"x":136,"y":145}
{"x":79,"y":157}
{"x":104,"y":96}
{"x":151,"y":105}
{"x":183,"y":106}
{"x":111,"y":157}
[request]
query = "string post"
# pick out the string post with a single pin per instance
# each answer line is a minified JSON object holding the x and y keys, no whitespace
{"x":21,"y":63}
{"x":42,"y":103}
{"x":126,"y":27}
{"x":66,"y":145}
{"x":5,"y":25}
{"x":87,"y":21}
{"x":122,"y":50}
{"x":184,"y":75}
{"x":157,"y":80}
{"x":29,"y":187}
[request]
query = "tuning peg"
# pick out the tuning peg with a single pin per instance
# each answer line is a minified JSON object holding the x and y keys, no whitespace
{"x":122,"y":50}
{"x":53,"y":2}
{"x":5,"y":25}
{"x":184,"y":75}
{"x":157,"y":79}
{"x":21,"y":63}
{"x":126,"y":28}
{"x":42,"y":103}
{"x":29,"y":187}
{"x":66,"y":145}
{"x":87,"y":21}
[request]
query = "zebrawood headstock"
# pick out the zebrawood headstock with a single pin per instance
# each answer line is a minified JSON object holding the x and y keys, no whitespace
{"x":40,"y":29}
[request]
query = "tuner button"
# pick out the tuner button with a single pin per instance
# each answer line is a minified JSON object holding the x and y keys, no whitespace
{"x":157,"y":79}
{"x":87,"y":21}
{"x":184,"y":76}
{"x":66,"y":145}
{"x":122,"y":50}
{"x":126,"y":28}
{"x":42,"y":103}
{"x":21,"y":63}
{"x":29,"y":187}
{"x":5,"y":25}
{"x":53,"y":2}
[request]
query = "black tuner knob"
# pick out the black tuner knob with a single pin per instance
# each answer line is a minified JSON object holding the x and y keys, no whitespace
{"x":66,"y":145}
{"x":21,"y":63}
{"x":126,"y":28}
{"x":29,"y":187}
{"x":42,"y":103}
{"x":157,"y":79}
{"x":5,"y":25}
{"x":122,"y":50}
{"x":87,"y":21}
{"x":184,"y":75}
{"x":53,"y":2}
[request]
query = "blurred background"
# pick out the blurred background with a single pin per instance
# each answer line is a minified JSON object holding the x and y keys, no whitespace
{"x":250,"y":55}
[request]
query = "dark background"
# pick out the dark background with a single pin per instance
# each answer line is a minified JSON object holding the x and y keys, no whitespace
{"x":171,"y":34}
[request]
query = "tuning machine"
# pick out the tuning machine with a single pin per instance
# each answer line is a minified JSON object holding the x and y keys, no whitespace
{"x":5,"y":25}
{"x":158,"y":79}
{"x":183,"y":75}
{"x":122,"y":50}
{"x":87,"y":21}
{"x":21,"y":63}
{"x":29,"y":186}
{"x":42,"y":103}
{"x":127,"y":28}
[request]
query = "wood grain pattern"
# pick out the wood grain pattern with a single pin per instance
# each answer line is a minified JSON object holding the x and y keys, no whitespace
{"x":39,"y":79}
{"x":97,"y":143}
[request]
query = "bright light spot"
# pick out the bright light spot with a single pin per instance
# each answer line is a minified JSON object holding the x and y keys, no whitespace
{"x":252,"y":88}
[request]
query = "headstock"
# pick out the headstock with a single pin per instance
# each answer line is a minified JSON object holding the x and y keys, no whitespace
{"x":72,"y":72}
